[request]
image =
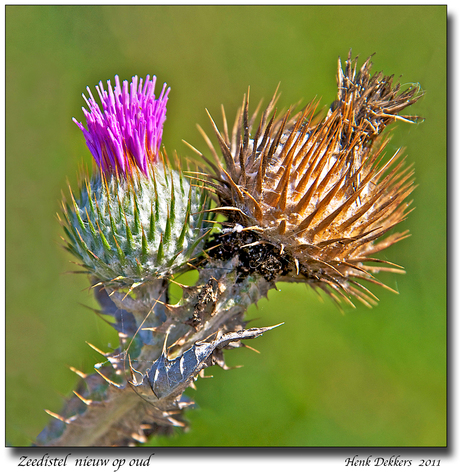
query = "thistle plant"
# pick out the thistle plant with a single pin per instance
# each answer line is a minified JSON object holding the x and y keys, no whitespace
{"x":306,"y":196}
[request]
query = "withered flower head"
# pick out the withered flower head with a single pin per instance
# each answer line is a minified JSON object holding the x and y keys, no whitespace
{"x":319,"y":189}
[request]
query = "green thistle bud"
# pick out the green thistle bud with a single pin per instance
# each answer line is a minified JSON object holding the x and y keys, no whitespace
{"x":129,"y":230}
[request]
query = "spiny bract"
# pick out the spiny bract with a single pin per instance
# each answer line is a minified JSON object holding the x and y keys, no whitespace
{"x":313,"y":187}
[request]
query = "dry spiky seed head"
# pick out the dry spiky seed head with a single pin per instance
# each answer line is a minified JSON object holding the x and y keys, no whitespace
{"x":318,"y":188}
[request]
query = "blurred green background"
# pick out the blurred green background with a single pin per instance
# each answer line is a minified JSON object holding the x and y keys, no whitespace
{"x":364,"y":378}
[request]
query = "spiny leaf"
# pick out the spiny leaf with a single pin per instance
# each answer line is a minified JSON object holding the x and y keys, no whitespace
{"x":170,"y":377}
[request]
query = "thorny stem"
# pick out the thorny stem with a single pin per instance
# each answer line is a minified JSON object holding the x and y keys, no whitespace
{"x":118,"y":405}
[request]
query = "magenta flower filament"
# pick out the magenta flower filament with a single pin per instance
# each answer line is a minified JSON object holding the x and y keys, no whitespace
{"x":127,"y":133}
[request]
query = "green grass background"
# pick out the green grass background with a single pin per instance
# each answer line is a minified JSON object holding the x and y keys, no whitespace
{"x":366,"y":378}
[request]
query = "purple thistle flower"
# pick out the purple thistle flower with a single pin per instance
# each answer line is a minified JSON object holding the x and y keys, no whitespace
{"x":128,"y":131}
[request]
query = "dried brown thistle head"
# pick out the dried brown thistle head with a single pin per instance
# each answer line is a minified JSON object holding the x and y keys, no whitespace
{"x":316,"y":186}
